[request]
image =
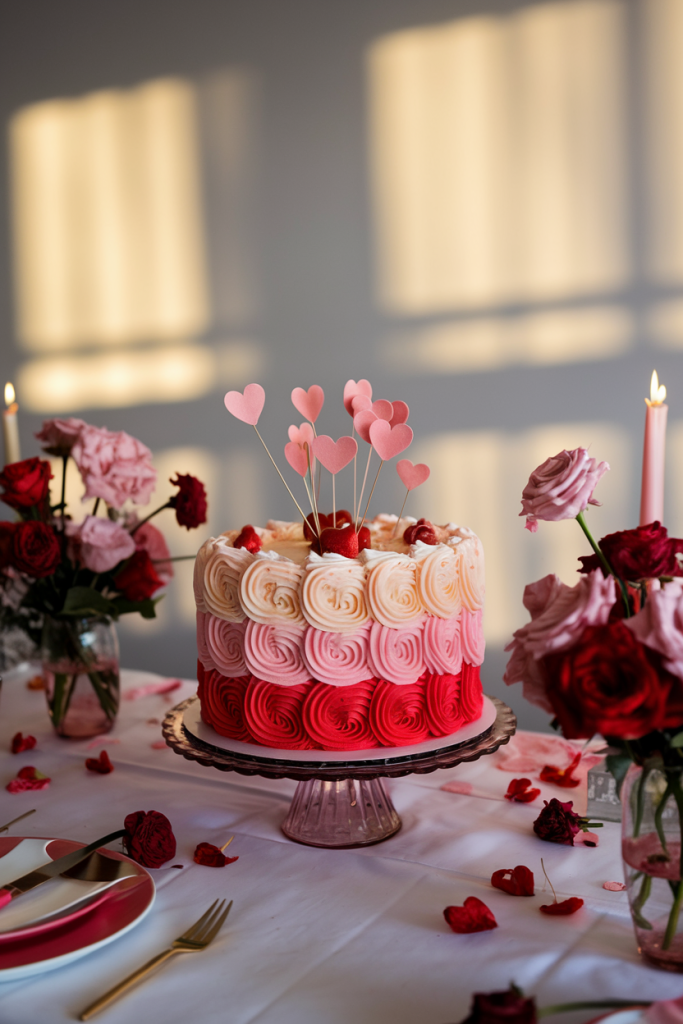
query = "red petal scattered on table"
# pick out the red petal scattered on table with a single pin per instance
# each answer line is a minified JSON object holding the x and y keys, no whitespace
{"x":211,"y":856}
{"x":158,"y":745}
{"x":28,"y":779}
{"x":586,"y":838}
{"x":21,"y":743}
{"x":102,"y":765}
{"x":517,"y":881}
{"x":561,"y":776}
{"x":564,"y":908}
{"x":36,"y":683}
{"x":520,"y":792}
{"x":614,"y":886}
{"x":473,"y":916}
{"x":165,"y":686}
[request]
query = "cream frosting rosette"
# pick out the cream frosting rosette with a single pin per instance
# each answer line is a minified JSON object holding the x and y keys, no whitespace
{"x":472,"y":636}
{"x":203,"y":652}
{"x":269,"y":590}
{"x":275,"y":653}
{"x":333,"y":595}
{"x":470,"y":555}
{"x":225,"y":643}
{"x":198,"y":575}
{"x":438,"y":579}
{"x":396,"y":654}
{"x":442,"y":646}
{"x":391,"y":588}
{"x":223,"y":570}
{"x":339,"y":659}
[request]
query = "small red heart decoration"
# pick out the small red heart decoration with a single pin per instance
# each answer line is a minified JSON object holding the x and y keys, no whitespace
{"x":248,"y":406}
{"x":517,"y":881}
{"x":389,"y":441}
{"x":310,"y":528}
{"x":351,"y":389}
{"x":297,"y":458}
{"x":364,"y":539}
{"x":401,"y":413}
{"x":473,"y":916}
{"x":334,"y":455}
{"x":343,"y":541}
{"x":412,"y":476}
{"x":309,"y":403}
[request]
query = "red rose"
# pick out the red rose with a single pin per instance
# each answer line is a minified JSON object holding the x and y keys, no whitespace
{"x":502,"y":1008}
{"x":190,"y":501}
{"x":149,"y":838}
{"x":643,"y":553}
{"x":557,"y":823}
{"x":6,"y":534}
{"x":138,"y":579}
{"x":35,"y":549}
{"x":211,"y":856}
{"x":609,"y":683}
{"x":421,"y":530}
{"x":26,"y":483}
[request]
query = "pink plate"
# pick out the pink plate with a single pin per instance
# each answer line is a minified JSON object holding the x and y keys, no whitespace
{"x":51,"y":944}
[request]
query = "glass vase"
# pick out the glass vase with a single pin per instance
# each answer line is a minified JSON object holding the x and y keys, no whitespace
{"x":80,"y":659}
{"x":652,"y":802}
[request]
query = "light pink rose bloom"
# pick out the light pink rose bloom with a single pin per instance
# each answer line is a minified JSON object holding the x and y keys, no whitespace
{"x":114,"y":466}
{"x":559,"y":615}
{"x":98,"y":544}
{"x":150,"y":539}
{"x":659,"y":625}
{"x":59,"y":436}
{"x":561,"y":488}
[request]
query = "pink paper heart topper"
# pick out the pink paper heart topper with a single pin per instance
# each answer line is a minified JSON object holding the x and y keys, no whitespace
{"x":248,"y":406}
{"x":301,"y":435}
{"x":412,"y":476}
{"x":360,"y":403}
{"x":382,"y":409}
{"x":363,"y":387}
{"x":334,"y":455}
{"x":401,"y":413}
{"x":362,"y":421}
{"x":296,"y":457}
{"x":389,"y":441}
{"x":309,"y":403}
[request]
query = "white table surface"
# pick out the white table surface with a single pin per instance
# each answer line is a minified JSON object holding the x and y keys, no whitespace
{"x":319,"y":936}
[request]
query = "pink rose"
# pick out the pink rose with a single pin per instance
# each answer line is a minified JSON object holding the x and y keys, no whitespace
{"x":148,"y":538}
{"x":98,"y":544}
{"x":559,"y":615}
{"x":561,"y":488}
{"x":59,"y":436}
{"x":114,"y":466}
{"x":659,"y":625}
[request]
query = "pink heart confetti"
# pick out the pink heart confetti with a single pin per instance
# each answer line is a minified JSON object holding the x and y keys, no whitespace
{"x":614,"y":886}
{"x":301,"y":435}
{"x":309,"y":403}
{"x":248,"y":406}
{"x":383,"y":410}
{"x":334,"y":455}
{"x":360,"y":402}
{"x":351,"y":388}
{"x":362,"y":421}
{"x":297,"y":458}
{"x":389,"y":441}
{"x":412,"y":476}
{"x":401,"y":413}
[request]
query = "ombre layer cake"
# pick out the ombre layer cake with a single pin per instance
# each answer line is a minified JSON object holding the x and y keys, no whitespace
{"x":305,"y":651}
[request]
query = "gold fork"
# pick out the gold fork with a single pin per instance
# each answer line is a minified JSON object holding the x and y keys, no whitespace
{"x":194,"y":940}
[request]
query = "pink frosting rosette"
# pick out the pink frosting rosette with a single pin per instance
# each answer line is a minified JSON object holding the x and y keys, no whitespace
{"x":561,"y":488}
{"x":659,"y":625}
{"x":559,"y":615}
{"x":225,"y":644}
{"x":398,"y":714}
{"x":442,"y":648}
{"x":443,"y":704}
{"x":198,"y":574}
{"x":222,"y":705}
{"x":471,"y":694}
{"x":396,"y":654}
{"x":202,"y":649}
{"x":337,"y":718}
{"x":472,"y":636}
{"x":339,"y":659}
{"x":275,"y":653}
{"x":273,"y":715}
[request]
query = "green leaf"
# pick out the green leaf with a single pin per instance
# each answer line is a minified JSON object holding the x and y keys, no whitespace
{"x":86,"y":601}
{"x":618,"y":765}
{"x":146,"y":608}
{"x":677,"y":741}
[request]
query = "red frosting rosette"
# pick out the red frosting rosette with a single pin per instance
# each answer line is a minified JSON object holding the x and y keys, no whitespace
{"x":471,"y":695}
{"x":442,"y":703}
{"x":398,"y":714}
{"x":222,"y":704}
{"x":273,"y":715}
{"x":336,"y":717}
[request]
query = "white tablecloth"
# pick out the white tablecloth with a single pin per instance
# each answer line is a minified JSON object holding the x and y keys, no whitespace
{"x":318,"y":936}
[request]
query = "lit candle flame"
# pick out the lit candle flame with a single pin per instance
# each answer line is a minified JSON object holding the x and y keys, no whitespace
{"x":9,"y":394}
{"x":657,"y":391}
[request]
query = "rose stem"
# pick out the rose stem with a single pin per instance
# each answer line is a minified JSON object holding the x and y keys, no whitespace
{"x":367,"y":467}
{"x":381,"y":463}
{"x":65,"y":460}
{"x":314,"y":501}
{"x":147,"y":518}
{"x":548,"y":880}
{"x":603,"y":561}
{"x":227,"y":844}
{"x":400,"y":513}
{"x":301,"y":512}
{"x":672,"y":923}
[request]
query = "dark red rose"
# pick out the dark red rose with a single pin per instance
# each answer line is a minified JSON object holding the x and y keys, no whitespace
{"x":248,"y":539}
{"x":102,"y":765}
{"x":21,"y":743}
{"x":6,"y":534}
{"x":35,"y":549}
{"x":149,"y":838}
{"x":422,"y":530}
{"x":562,"y":909}
{"x":517,"y":881}
{"x":211,"y":857}
{"x":25,"y":483}
{"x":138,"y":579}
{"x":557,"y":823}
{"x":509,"y":1007}
{"x":609,"y":683}
{"x":190,"y":501}
{"x":520,"y":791}
{"x":472,"y":916}
{"x":638,"y":554}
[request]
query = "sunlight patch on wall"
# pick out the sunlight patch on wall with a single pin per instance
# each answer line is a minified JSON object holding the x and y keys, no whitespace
{"x":477,"y":480}
{"x":665,"y":324}
{"x":498,"y":158}
{"x":673,"y":495}
{"x":488,"y":343}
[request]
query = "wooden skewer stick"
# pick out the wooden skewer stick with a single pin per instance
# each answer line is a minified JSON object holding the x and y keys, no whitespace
{"x":226,"y":845}
{"x":355,"y":458}
{"x":400,"y":513}
{"x":334,"y":501}
{"x":370,"y":497}
{"x":367,"y":467}
{"x":314,"y":501}
{"x":301,"y":511}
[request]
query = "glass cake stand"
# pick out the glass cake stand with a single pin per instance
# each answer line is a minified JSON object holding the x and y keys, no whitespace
{"x":339,"y":802}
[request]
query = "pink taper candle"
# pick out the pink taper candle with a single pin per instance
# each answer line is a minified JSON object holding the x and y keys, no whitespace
{"x":652,"y":491}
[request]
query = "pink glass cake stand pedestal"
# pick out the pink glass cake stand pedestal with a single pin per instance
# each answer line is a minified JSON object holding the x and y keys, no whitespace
{"x":339,"y":802}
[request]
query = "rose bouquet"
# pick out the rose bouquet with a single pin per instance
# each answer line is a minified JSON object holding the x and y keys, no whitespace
{"x":606,"y":656}
{"x":56,"y":573}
